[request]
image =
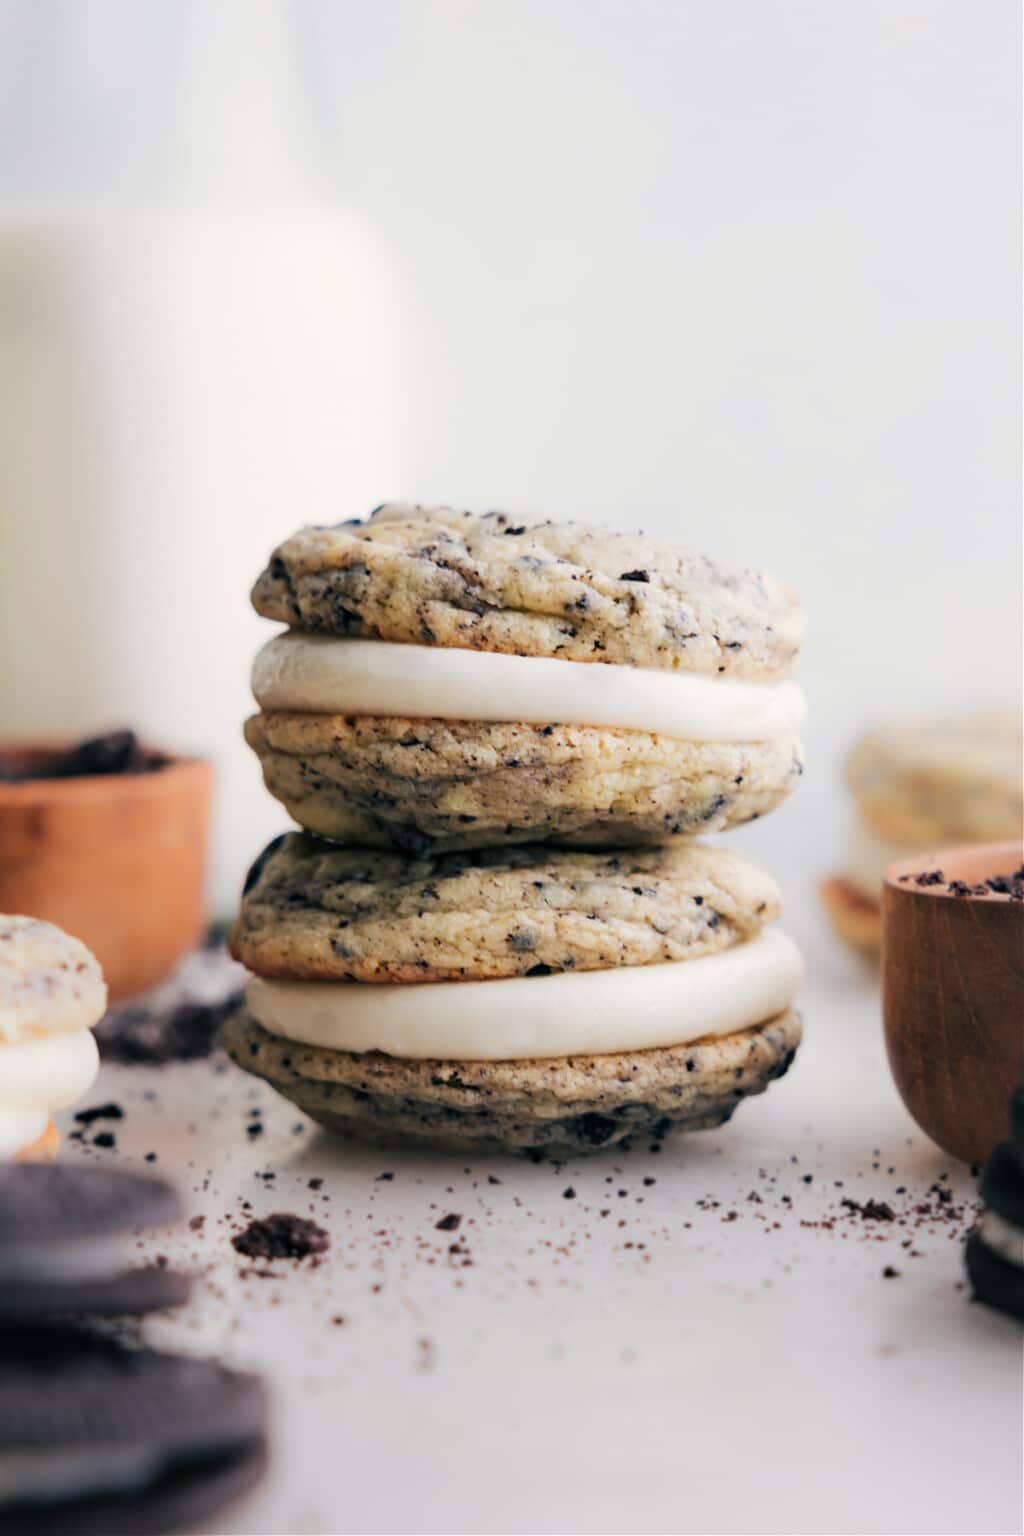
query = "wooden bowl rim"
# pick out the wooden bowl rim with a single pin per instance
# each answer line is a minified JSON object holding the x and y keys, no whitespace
{"x":995,"y":858}
{"x":99,"y":786}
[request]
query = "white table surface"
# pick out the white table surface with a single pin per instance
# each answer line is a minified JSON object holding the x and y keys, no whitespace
{"x":659,"y":1368}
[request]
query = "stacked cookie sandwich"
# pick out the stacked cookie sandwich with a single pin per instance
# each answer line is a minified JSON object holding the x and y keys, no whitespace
{"x":500,"y":739}
{"x":918,"y":786}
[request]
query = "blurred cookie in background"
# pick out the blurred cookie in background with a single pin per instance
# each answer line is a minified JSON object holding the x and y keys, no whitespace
{"x":918,"y":785}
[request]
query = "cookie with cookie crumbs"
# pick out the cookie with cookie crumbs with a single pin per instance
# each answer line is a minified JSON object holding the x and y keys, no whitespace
{"x":442,"y":576}
{"x":49,"y":982}
{"x":314,"y":911}
{"x":560,"y":1107}
{"x":442,"y":785}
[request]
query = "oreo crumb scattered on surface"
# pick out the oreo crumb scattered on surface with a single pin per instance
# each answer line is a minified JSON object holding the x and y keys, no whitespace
{"x":116,"y":752}
{"x":99,"y":1112}
{"x":282,"y":1236}
{"x":449,"y":1223}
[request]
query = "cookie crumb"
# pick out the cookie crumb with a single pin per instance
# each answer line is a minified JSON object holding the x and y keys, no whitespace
{"x":282,"y":1236}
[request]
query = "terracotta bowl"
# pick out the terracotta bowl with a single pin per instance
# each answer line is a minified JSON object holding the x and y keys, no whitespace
{"x":118,"y":860}
{"x":953,"y":996}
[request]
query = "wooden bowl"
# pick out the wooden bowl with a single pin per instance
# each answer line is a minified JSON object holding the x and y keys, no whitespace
{"x":953,"y":996}
{"x":118,"y":860}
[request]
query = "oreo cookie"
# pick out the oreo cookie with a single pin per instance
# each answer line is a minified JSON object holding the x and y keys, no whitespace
{"x":101,"y":1439}
{"x":994,"y":1280}
{"x":69,"y":1237}
{"x":995,"y":1247}
{"x":1017,"y":1126}
{"x":1002,"y":1185}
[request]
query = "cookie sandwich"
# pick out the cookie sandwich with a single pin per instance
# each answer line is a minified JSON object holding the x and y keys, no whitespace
{"x":919,"y":785}
{"x":51,"y":994}
{"x":451,"y":681}
{"x":517,"y":999}
{"x":995,"y":1246}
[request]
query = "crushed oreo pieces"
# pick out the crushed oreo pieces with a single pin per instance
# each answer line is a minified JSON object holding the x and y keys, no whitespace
{"x":116,"y":752}
{"x":1010,"y":884}
{"x":282,"y":1236}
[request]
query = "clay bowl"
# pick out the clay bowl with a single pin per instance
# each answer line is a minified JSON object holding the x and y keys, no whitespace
{"x":118,"y":860}
{"x":953,"y":996}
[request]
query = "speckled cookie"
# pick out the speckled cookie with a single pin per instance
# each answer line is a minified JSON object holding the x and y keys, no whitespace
{"x":560,"y":1106}
{"x":439,"y":785}
{"x":922,"y":783}
{"x":441,"y":576}
{"x":312,"y":911}
{"x":49,"y":982}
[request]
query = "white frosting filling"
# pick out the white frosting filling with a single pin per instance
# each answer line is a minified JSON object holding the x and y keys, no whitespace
{"x":19,"y":1128}
{"x":38,"y":1076}
{"x":48,"y":1073}
{"x":78,"y":1259}
{"x":1002,"y":1237}
{"x":326,"y":675}
{"x":568,"y":1014}
{"x":45,"y":1476}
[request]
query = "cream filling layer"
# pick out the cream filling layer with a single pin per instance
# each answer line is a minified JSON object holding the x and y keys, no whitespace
{"x":39,"y":1076}
{"x":48,"y":1073}
{"x":572,"y":1013}
{"x":323,"y":674}
{"x":1002,"y":1237}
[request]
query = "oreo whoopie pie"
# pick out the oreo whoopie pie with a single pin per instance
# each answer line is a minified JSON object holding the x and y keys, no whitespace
{"x":100,"y":1439}
{"x":69,"y":1239}
{"x":995,"y":1246}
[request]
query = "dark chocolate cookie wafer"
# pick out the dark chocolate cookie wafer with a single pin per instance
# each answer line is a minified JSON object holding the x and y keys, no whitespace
{"x":69,"y":1239}
{"x":995,"y":1281}
{"x":1017,"y":1126}
{"x":1002,"y":1185}
{"x":99,"y":1439}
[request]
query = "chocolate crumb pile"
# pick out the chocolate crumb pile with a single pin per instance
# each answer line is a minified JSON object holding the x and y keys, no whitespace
{"x":1011,"y":884}
{"x":114,"y":753}
{"x":281,"y":1236}
{"x":181,"y":1019}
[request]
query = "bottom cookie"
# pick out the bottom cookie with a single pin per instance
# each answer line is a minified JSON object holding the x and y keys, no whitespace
{"x":853,"y":916}
{"x":44,"y":1150}
{"x":560,"y":1105}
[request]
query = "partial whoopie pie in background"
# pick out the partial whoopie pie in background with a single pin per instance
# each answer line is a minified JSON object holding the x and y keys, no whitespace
{"x":52,"y":992}
{"x":456,"y":681}
{"x":103,"y":1440}
{"x":69,"y":1240}
{"x":920,"y":785}
{"x":519,"y":999}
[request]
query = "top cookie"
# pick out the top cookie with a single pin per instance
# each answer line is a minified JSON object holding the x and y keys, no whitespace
{"x":315,"y":911}
{"x":440,"y":576}
{"x":924,"y":782}
{"x":49,"y":982}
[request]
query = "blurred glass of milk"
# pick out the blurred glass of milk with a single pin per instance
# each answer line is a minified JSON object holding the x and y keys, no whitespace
{"x":181,"y":387}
